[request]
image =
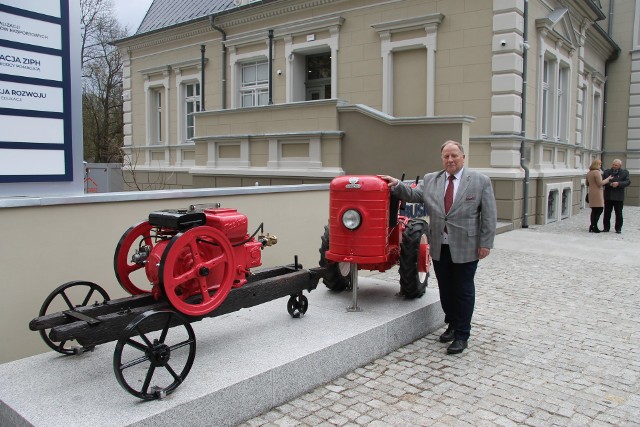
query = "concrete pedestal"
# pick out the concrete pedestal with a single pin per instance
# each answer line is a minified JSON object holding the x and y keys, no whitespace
{"x":246,"y":363}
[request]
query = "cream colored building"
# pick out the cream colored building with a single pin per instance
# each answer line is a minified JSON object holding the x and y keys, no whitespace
{"x":223,"y":93}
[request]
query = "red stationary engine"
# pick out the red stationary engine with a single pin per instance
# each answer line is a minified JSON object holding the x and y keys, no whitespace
{"x":192,"y":257}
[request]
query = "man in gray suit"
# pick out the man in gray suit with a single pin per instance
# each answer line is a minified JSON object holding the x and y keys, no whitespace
{"x":614,"y":194}
{"x":462,"y":225}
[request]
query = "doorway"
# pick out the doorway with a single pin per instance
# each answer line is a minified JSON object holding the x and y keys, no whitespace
{"x":318,"y":76}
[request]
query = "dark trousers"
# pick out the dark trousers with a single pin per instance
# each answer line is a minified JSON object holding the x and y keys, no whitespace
{"x":595,"y":216}
{"x":612,"y":205}
{"x":457,"y":291}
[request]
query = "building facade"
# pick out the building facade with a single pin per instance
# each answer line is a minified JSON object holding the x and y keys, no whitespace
{"x":226,"y":93}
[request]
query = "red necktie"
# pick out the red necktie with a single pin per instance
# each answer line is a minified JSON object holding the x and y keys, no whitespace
{"x":448,"y":194}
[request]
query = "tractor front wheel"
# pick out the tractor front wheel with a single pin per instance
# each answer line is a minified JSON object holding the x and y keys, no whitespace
{"x":337,"y":276}
{"x":415,"y":260}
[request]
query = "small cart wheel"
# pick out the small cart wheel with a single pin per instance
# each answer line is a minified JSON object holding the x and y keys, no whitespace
{"x":297,"y":305}
{"x":147,"y":362}
{"x":61,"y":299}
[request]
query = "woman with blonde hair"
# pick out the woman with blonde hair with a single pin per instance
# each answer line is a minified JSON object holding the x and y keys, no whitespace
{"x":596,"y":196}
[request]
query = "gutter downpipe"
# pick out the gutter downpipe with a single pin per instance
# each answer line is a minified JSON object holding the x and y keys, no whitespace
{"x":523,"y":119}
{"x":202,"y":51}
{"x":223,"y":63}
{"x":270,"y":67}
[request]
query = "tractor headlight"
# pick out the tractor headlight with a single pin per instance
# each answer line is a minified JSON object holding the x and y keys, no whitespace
{"x":351,"y":219}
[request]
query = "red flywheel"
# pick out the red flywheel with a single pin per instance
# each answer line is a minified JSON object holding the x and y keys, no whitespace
{"x":197,"y":270}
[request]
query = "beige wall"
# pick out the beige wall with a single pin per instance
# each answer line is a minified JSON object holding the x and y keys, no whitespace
{"x":621,"y":115}
{"x":285,"y":118}
{"x":46,"y":246}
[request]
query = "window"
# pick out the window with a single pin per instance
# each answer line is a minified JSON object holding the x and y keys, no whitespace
{"x":554,"y":108}
{"x":545,"y":98}
{"x":157,"y":97}
{"x":192,"y":105}
{"x":583,"y":97}
{"x":596,"y":121}
{"x":255,"y":79}
{"x":562,"y":118}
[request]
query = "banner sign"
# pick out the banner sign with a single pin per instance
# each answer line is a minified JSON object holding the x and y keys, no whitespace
{"x":35,"y":91}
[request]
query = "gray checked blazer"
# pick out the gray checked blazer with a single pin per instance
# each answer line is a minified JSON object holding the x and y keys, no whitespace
{"x":471,"y":221}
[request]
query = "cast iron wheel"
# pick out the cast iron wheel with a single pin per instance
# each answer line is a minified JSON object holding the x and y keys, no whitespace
{"x":297,"y":305}
{"x":337,"y":276}
{"x":147,"y":362}
{"x":69,"y":292}
{"x":197,"y":270}
{"x":134,"y":238}
{"x":415,"y":260}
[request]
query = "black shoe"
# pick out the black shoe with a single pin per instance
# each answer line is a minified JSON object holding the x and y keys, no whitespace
{"x":595,"y":230}
{"x":457,"y":346}
{"x":605,"y":230}
{"x":618,"y":231}
{"x":448,"y":335}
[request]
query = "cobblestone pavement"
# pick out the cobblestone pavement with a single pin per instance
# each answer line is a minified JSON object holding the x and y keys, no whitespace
{"x":555,"y":342}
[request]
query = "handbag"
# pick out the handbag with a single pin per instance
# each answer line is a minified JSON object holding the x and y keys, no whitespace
{"x":586,"y":198}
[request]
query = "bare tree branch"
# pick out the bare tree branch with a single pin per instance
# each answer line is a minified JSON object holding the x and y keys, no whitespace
{"x":102,"y":82}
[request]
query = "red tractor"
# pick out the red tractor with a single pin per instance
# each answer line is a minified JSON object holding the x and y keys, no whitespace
{"x":193,"y":257}
{"x":366,"y":232}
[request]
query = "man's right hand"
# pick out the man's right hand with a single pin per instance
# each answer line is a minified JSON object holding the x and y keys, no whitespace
{"x":391,"y":181}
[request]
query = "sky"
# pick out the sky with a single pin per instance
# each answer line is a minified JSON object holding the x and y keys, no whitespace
{"x":131,"y":12}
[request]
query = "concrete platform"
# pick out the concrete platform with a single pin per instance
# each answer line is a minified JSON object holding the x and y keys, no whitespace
{"x":246,"y":363}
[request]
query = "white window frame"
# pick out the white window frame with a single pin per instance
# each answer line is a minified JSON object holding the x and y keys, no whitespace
{"x":256,"y":90}
{"x":156,"y":138}
{"x":555,"y":82}
{"x":194,"y":101}
{"x":555,"y":98}
{"x":187,"y":73}
{"x":596,"y":120}
{"x":544,"y":102}
{"x":157,"y":119}
{"x":563,"y":95}
{"x":581,"y":131}
{"x":236,"y":61}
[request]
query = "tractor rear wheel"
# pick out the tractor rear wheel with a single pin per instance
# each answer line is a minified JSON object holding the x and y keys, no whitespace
{"x":415,"y":260}
{"x":337,"y":276}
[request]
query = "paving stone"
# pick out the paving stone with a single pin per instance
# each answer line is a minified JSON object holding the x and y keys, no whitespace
{"x":363,"y":420}
{"x":555,"y":341}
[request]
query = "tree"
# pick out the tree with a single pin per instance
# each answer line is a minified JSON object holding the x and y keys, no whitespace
{"x":101,"y":82}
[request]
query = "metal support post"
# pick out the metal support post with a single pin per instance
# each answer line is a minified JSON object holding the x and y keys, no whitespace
{"x":354,"y":286}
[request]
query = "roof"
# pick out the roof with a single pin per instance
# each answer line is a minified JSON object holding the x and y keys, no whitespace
{"x":165,"y":13}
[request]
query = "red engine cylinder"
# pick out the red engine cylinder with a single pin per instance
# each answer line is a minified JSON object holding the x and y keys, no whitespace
{"x":231,"y":222}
